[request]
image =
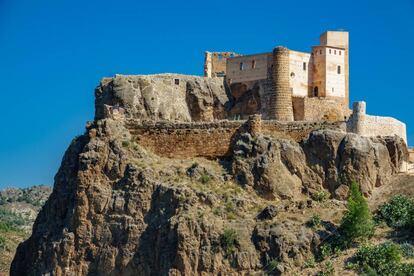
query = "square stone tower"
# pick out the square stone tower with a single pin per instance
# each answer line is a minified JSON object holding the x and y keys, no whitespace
{"x":339,"y":39}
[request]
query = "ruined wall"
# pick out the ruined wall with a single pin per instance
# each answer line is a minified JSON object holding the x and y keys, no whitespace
{"x":212,"y":140}
{"x":186,"y":140}
{"x":215,"y":63}
{"x":367,"y":125}
{"x":247,"y":68}
{"x":320,"y":109}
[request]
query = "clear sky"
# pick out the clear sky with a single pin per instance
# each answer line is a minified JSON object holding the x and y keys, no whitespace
{"x":53,"y":54}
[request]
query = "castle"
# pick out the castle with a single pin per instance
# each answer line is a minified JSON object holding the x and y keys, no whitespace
{"x":288,"y":85}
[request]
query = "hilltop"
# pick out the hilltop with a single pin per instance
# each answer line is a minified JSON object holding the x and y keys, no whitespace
{"x":160,"y":184}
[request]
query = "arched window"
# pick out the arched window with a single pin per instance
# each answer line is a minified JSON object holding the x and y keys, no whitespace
{"x":315,"y":91}
{"x":339,"y":69}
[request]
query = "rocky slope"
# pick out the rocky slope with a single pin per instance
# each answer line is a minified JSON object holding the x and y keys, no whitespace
{"x":18,"y":210}
{"x":118,"y":209}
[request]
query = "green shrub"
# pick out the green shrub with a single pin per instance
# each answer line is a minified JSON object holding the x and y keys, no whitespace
{"x":310,"y":263}
{"x":327,"y":270}
{"x":205,"y":178}
{"x":272,"y":266}
{"x":314,"y":221}
{"x":357,"y":222}
{"x":407,"y":250}
{"x":125,"y":144}
{"x":325,"y":251}
{"x":383,"y":259}
{"x":321,"y":196}
{"x":398,"y":212}
{"x":229,"y":241}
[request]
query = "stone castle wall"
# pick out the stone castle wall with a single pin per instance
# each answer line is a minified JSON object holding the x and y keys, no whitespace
{"x":213,"y":139}
{"x":215,"y":63}
{"x":367,"y":125}
{"x":320,"y":109}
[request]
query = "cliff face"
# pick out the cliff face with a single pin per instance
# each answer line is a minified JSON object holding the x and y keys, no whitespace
{"x":119,"y":209}
{"x":162,"y":97}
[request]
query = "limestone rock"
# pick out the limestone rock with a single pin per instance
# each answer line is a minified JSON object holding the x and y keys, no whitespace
{"x":161,"y":97}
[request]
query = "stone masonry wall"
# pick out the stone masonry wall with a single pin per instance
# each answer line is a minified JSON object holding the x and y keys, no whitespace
{"x":212,"y":139}
{"x":320,"y":109}
{"x":367,"y":125}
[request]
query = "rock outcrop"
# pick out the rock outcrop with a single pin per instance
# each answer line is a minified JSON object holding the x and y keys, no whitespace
{"x":328,"y":159}
{"x":162,"y":97}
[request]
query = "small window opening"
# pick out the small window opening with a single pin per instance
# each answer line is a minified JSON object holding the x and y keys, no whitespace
{"x":176,"y":81}
{"x":320,"y":52}
{"x":333,"y":90}
{"x":339,"y":52}
{"x":315,"y":91}
{"x":304,"y":66}
{"x":334,"y":52}
{"x":339,"y":69}
{"x":253,"y":64}
{"x":329,"y":50}
{"x":292,"y":75}
{"x":241,"y":66}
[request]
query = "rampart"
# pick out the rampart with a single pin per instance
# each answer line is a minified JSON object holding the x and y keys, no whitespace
{"x":366,"y":125}
{"x":320,"y":109}
{"x":213,"y":139}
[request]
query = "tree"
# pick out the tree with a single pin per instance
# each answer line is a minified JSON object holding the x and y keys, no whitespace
{"x":357,"y":222}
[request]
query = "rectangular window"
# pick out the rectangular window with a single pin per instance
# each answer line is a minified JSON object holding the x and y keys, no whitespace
{"x":329,"y":50}
{"x":253,"y":64}
{"x":176,"y":81}
{"x":241,"y":66}
{"x":304,"y":66}
{"x":339,"y":52}
{"x":320,"y":52}
{"x":339,"y":69}
{"x":334,"y":52}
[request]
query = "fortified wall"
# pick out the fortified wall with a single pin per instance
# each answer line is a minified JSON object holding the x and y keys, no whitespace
{"x":213,"y":139}
{"x":366,"y":125}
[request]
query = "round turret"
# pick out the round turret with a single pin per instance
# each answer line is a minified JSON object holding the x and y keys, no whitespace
{"x":281,"y":99}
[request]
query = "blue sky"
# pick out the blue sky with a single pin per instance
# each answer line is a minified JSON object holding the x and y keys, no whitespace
{"x":53,"y":54}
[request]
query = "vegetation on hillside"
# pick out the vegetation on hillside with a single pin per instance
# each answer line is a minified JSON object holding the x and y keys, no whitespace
{"x":18,"y":208}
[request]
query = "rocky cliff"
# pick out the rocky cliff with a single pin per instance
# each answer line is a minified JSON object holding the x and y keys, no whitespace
{"x":119,"y":209}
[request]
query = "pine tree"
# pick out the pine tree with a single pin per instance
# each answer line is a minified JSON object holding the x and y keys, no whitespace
{"x":357,"y":223}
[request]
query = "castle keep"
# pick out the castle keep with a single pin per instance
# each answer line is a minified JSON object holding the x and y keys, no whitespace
{"x":288,"y":85}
